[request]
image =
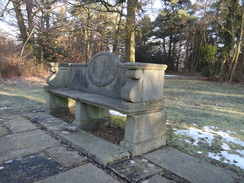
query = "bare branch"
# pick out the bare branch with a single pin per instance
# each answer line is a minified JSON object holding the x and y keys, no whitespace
{"x":222,"y":26}
{"x":4,"y":9}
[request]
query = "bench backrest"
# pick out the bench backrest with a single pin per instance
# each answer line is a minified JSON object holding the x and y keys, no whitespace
{"x":106,"y":75}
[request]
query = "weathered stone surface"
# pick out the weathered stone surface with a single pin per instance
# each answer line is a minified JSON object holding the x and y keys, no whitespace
{"x":157,"y":179}
{"x":90,"y":118}
{"x":135,"y":89}
{"x":99,"y":150}
{"x":190,"y":168}
{"x":135,"y":169}
{"x":19,"y":124}
{"x":50,"y":123}
{"x":144,"y":132}
{"x":144,"y":127}
{"x":153,"y":82}
{"x":108,"y":102}
{"x":54,"y":102}
{"x":28,"y":142}
{"x":66,"y":156}
{"x":110,"y":77}
{"x":132,"y":91}
{"x":140,"y":148}
{"x":3,"y":131}
{"x":107,"y":80}
{"x":87,"y":173}
{"x":105,"y":70}
{"x":60,"y":75}
{"x":148,"y":85}
{"x":28,"y":168}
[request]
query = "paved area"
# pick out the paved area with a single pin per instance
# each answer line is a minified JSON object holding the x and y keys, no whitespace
{"x":37,"y":147}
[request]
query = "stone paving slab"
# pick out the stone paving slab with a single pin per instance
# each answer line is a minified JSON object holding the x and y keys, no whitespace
{"x":134,"y":170}
{"x":157,"y":179}
{"x":28,"y":153}
{"x":65,"y":156}
{"x":3,"y":130}
{"x":24,"y":143}
{"x":28,"y":168}
{"x":98,"y":149}
{"x":87,"y":173}
{"x":190,"y":168}
{"x":19,"y":124}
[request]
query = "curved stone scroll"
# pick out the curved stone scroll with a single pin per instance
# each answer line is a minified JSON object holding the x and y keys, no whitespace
{"x":60,"y":74}
{"x":132,"y":91}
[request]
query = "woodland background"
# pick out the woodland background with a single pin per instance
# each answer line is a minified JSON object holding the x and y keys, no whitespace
{"x":203,"y":37}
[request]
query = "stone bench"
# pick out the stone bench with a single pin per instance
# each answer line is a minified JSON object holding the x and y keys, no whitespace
{"x":134,"y":89}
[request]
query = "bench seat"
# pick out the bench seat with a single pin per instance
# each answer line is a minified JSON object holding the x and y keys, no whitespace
{"x":107,"y":102}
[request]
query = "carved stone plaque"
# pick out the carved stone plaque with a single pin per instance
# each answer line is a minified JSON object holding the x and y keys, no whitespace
{"x":102,"y":69}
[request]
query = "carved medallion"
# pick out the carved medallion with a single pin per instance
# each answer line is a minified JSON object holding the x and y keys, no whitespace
{"x":102,"y":69}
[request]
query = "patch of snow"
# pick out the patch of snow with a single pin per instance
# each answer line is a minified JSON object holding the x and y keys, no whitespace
{"x":197,"y":135}
{"x":9,"y":161}
{"x":4,"y":107}
{"x":145,"y":181}
{"x":225,"y":146}
{"x":208,"y":135}
{"x":150,"y":165}
{"x":226,"y":137}
{"x":170,"y":75}
{"x":240,"y":151}
{"x":230,"y":132}
{"x":132,"y":161}
{"x":226,"y":157}
{"x":116,"y":113}
{"x":144,"y":160}
{"x":199,"y":152}
{"x":188,"y":141}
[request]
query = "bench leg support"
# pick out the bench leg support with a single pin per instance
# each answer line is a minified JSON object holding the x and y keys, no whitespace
{"x":54,"y":103}
{"x":89,"y":117}
{"x":144,"y":132}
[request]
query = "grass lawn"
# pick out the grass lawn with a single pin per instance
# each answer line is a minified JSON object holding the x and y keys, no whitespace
{"x":23,"y":93}
{"x":205,"y":119}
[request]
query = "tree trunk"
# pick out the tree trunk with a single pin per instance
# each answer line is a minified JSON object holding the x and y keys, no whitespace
{"x":238,"y":50}
{"x":116,"y":39}
{"x":130,"y":31}
{"x":169,"y":54}
{"x":30,"y":16}
{"x":20,"y":21}
{"x":179,"y":55}
{"x":222,"y":70}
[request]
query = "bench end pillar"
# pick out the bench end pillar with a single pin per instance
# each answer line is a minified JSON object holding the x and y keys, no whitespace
{"x":144,"y":132}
